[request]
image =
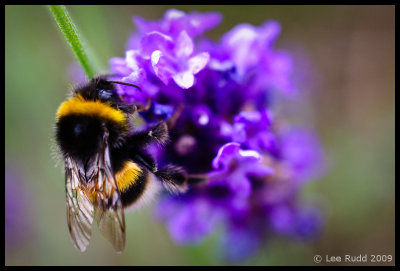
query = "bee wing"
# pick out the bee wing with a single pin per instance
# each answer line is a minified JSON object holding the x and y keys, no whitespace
{"x":112,"y":225}
{"x":109,"y":212}
{"x":79,"y":207}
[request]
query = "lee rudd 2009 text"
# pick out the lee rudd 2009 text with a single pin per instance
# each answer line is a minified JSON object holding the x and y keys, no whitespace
{"x":362,"y":258}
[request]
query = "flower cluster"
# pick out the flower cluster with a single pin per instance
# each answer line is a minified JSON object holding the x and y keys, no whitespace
{"x":217,"y":98}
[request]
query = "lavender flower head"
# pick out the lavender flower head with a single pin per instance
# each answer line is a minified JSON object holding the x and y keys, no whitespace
{"x":217,"y":98}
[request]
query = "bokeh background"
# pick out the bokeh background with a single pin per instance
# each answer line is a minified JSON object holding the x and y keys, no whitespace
{"x":345,"y":57}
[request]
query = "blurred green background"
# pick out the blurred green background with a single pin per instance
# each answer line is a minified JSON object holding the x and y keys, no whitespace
{"x":350,"y":100}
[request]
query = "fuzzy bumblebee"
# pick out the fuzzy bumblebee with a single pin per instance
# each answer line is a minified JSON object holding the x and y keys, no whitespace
{"x":107,"y":168}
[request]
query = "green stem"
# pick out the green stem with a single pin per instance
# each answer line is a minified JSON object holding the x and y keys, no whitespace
{"x":71,"y":34}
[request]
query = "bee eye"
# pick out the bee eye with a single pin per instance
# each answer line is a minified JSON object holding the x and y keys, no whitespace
{"x":104,"y":94}
{"x":78,"y":129}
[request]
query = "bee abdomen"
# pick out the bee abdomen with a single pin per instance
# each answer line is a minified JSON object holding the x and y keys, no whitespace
{"x":131,"y":181}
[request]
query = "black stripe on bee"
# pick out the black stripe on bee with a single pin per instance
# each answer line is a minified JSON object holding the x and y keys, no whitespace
{"x":135,"y":190}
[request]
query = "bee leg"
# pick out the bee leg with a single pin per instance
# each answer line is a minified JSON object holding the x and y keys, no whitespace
{"x":197,"y":179}
{"x":158,"y":133}
{"x":174,"y":178}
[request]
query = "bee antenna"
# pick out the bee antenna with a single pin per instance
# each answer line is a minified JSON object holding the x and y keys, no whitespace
{"x":127,"y":84}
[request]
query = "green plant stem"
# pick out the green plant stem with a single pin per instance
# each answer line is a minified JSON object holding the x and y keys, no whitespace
{"x":71,"y":34}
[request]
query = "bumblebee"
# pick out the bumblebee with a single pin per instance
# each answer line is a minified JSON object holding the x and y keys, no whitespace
{"x":107,"y":168}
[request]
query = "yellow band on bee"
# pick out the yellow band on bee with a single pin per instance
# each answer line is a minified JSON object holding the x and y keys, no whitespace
{"x":79,"y":106}
{"x":128,"y":175}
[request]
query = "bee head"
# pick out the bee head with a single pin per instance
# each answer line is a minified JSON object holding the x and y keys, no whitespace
{"x":83,"y":119}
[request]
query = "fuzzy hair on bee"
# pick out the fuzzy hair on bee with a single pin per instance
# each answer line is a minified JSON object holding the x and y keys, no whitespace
{"x":107,"y":167}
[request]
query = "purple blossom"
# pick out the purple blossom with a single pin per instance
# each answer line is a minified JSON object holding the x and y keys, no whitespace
{"x":250,"y":50}
{"x":194,"y":215}
{"x":161,"y":56}
{"x":303,"y":154}
{"x":242,"y":242}
{"x":176,"y":21}
{"x":218,"y":100}
{"x":189,"y":219}
{"x":235,"y":166}
{"x":301,"y":223}
{"x":166,"y":49}
{"x":254,"y":130}
{"x":246,"y":43}
{"x":174,"y":58}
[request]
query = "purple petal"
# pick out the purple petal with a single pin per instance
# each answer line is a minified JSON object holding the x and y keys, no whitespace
{"x":248,"y":44}
{"x":225,"y":153}
{"x":253,"y":129}
{"x":118,"y":66}
{"x":269,"y":31}
{"x":193,"y":222}
{"x":137,"y":77}
{"x":282,"y":219}
{"x":250,"y":154}
{"x":162,"y":68}
{"x":204,"y":21}
{"x":193,"y":23}
{"x":240,"y":243}
{"x":145,"y":26}
{"x":183,"y":45}
{"x":309,"y":222}
{"x":173,"y":14}
{"x":156,"y":41}
{"x":239,"y":133}
{"x":175,"y":21}
{"x":198,"y":62}
{"x":303,"y":153}
{"x":217,"y":65}
{"x":131,"y":59}
{"x":240,"y":42}
{"x":184,"y":79}
{"x":239,"y":183}
{"x":225,"y":129}
{"x":257,"y":169}
{"x":133,"y":42}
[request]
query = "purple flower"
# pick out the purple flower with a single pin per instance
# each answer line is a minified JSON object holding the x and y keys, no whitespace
{"x":254,"y":130}
{"x":174,"y":58}
{"x":166,"y":49}
{"x":189,"y":219}
{"x":235,"y":166}
{"x":223,"y":201}
{"x":163,"y":56}
{"x":223,"y":128}
{"x":303,"y":154}
{"x":131,"y":70}
{"x":176,"y":21}
{"x":241,"y":241}
{"x":250,"y":50}
{"x":157,"y":112}
{"x":299,"y":222}
{"x":246,"y":43}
